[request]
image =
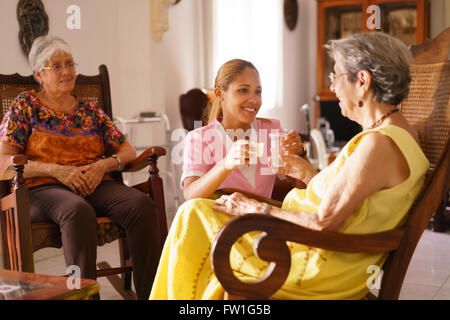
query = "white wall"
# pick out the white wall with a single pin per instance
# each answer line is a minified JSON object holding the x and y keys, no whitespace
{"x":299,"y":66}
{"x":144,"y":74}
{"x":440,"y":16}
{"x":113,"y":32}
{"x":150,"y":75}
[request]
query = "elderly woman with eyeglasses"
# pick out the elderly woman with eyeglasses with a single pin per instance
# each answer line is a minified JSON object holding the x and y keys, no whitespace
{"x":369,"y":188}
{"x":72,"y":146}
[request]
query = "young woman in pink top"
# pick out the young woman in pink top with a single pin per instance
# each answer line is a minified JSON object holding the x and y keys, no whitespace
{"x":233,"y":150}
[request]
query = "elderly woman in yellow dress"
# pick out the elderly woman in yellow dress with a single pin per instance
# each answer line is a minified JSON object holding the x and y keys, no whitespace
{"x":367,"y":189}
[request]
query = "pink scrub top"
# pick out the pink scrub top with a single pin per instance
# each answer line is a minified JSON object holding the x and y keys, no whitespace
{"x":205,"y":146}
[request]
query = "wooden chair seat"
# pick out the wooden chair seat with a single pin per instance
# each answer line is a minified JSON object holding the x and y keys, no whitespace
{"x":47,"y":234}
{"x":44,"y":235}
{"x":108,"y":231}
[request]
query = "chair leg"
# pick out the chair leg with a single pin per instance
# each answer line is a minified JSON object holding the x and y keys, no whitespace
{"x":116,"y":282}
{"x":121,"y":284}
{"x":4,"y":241}
{"x":439,"y":220}
{"x":125,"y":261}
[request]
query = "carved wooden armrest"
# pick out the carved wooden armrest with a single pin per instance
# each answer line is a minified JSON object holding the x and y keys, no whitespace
{"x":15,"y":223}
{"x":143,"y":159}
{"x":154,"y":185}
{"x":248,"y":194}
{"x":17,"y":163}
{"x":271,"y":246}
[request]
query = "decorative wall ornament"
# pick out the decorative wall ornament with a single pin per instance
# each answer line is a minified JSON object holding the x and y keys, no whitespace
{"x":160,"y":17}
{"x":291,"y":13}
{"x":33,"y":22}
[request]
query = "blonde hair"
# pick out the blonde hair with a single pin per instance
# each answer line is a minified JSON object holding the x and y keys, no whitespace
{"x":227,"y":74}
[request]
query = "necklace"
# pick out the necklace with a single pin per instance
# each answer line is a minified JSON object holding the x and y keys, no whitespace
{"x":384,"y":116}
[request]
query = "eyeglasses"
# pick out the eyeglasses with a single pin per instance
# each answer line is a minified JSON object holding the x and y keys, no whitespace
{"x":71,"y":66}
{"x":333,"y":75}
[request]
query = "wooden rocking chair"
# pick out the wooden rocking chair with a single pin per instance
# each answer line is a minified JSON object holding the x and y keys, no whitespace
{"x":428,"y":110}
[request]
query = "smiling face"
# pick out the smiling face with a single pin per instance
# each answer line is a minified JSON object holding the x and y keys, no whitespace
{"x":345,"y":90}
{"x":58,"y":82}
{"x":242,"y":100}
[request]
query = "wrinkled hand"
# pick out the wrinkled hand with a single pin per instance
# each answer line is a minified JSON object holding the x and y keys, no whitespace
{"x":94,"y":174}
{"x":293,"y":143}
{"x":295,"y":166}
{"x":72,"y":177}
{"x":237,"y":204}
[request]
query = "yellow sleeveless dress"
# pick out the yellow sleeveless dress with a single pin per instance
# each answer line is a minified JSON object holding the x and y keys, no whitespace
{"x":185,"y":270}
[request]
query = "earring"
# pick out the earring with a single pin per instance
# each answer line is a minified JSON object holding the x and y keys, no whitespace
{"x":360,"y":104}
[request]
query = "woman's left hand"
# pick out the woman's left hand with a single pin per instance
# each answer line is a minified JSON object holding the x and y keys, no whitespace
{"x":237,"y":204}
{"x":94,"y":172}
{"x":293,"y":143}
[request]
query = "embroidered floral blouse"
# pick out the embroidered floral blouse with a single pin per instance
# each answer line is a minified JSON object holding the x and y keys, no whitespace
{"x":73,"y":139}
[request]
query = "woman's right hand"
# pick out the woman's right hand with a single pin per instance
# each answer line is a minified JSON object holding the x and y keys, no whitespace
{"x":205,"y":185}
{"x":72,"y":177}
{"x":238,"y":155}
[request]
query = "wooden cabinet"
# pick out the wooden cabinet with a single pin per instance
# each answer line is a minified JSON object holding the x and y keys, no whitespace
{"x":407,"y":20}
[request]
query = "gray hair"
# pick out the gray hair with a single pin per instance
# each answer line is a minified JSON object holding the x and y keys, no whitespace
{"x":43,"y":49}
{"x":386,"y":58}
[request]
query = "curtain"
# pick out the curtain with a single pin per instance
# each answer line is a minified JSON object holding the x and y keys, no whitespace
{"x":251,"y":30}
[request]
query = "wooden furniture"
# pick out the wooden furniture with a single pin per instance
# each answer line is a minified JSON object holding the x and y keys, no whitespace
{"x":193,"y":107}
{"x":428,"y":109}
{"x":20,"y":237}
{"x":404,"y":19}
{"x":16,"y":285}
{"x":431,"y":84}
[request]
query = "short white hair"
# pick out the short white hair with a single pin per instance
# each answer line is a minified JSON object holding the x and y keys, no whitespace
{"x":43,"y":49}
{"x":386,"y":58}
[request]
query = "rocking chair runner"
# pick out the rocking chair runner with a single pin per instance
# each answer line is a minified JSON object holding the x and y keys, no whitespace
{"x":428,"y":110}
{"x":20,"y":238}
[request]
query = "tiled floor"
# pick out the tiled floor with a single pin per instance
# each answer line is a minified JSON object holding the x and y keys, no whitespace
{"x":428,"y":276}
